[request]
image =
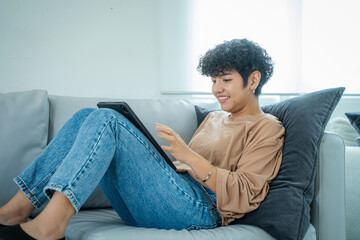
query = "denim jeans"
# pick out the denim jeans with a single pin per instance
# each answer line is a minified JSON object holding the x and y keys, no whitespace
{"x":100,"y":146}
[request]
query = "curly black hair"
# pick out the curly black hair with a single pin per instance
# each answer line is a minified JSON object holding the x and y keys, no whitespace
{"x":241,"y":55}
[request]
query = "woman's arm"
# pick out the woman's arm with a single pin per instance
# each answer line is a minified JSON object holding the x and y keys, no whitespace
{"x":200,"y":168}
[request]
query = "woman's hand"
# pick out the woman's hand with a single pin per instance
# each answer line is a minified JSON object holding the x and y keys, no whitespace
{"x":187,"y":160}
{"x":178,"y":148}
{"x":181,"y":167}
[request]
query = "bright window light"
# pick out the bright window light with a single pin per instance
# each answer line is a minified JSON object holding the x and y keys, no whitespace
{"x":314,"y":43}
{"x":275,"y":25}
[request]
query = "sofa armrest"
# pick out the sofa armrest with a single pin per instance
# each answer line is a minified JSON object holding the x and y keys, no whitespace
{"x":328,"y":207}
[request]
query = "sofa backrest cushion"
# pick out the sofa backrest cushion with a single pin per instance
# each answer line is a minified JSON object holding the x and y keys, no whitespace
{"x":285,"y":212}
{"x":24,"y":121}
{"x":177,"y":114}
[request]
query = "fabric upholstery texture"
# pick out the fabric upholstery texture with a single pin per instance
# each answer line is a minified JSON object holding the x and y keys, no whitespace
{"x":352,"y":192}
{"x":285,"y":212}
{"x":106,"y":224}
{"x":24,"y":121}
{"x":342,"y":127}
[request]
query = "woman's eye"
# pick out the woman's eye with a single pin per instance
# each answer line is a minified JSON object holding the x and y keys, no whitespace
{"x":227,"y":80}
{"x":213,"y":81}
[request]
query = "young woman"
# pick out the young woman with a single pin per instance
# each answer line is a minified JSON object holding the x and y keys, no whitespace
{"x":223,"y":173}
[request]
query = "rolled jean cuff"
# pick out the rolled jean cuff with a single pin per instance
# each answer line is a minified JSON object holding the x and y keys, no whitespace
{"x":22,"y":185}
{"x":51,"y":188}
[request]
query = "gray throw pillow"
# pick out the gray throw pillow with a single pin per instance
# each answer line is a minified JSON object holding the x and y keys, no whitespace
{"x":354,"y":119}
{"x":285,"y":212}
{"x":24,"y":121}
{"x":342,"y":127}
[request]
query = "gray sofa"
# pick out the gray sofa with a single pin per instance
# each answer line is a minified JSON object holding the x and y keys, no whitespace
{"x":341,"y":126}
{"x":98,"y":221}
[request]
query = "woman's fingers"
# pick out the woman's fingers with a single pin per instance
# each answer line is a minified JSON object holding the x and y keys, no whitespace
{"x":165,"y":132}
{"x":162,"y":128}
{"x":181,"y":170}
{"x":177,"y":147}
{"x":166,"y":148}
{"x":181,"y":167}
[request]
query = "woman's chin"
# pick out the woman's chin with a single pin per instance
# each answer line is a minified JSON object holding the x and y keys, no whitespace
{"x":225,"y":109}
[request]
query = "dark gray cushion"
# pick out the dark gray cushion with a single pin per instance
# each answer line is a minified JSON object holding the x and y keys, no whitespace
{"x":354,"y":119}
{"x":201,"y":114}
{"x":285,"y":213}
{"x":24,"y":121}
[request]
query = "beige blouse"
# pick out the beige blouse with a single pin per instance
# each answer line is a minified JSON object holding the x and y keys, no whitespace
{"x":247,"y":152}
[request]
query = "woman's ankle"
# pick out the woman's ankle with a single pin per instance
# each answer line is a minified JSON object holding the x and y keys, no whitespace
{"x":10,"y":217}
{"x":17,"y":210}
{"x":52,"y":221}
{"x":39,"y":229}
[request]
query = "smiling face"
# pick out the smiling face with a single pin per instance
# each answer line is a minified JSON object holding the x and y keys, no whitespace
{"x":233,"y":97}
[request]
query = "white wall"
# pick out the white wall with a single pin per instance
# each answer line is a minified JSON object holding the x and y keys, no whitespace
{"x":138,"y":48}
{"x":105,"y":48}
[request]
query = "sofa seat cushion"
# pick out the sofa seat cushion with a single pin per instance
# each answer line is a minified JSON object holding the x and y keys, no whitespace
{"x":105,"y":224}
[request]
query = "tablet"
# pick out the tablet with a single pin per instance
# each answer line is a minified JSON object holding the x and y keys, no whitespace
{"x":125,"y":110}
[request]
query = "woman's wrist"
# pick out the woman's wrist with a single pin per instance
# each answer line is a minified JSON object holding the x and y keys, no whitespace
{"x":191,"y":158}
{"x":201,"y":167}
{"x":207,"y":177}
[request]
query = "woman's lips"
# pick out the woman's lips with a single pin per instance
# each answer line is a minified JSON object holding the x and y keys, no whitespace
{"x":223,"y":99}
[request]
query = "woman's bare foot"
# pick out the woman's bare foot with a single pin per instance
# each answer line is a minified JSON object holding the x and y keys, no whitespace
{"x":17,"y":210}
{"x":52,"y":221}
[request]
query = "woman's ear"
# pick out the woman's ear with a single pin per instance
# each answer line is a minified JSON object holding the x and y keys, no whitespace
{"x":254,"y":80}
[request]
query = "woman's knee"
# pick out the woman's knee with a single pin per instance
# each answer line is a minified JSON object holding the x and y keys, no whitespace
{"x":103,"y":114}
{"x":84,"y":112}
{"x":81,"y":115}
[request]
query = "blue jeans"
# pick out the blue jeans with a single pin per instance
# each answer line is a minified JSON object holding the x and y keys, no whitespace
{"x":100,"y":146}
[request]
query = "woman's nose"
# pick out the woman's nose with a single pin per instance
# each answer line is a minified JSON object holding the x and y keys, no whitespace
{"x":217,"y":87}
